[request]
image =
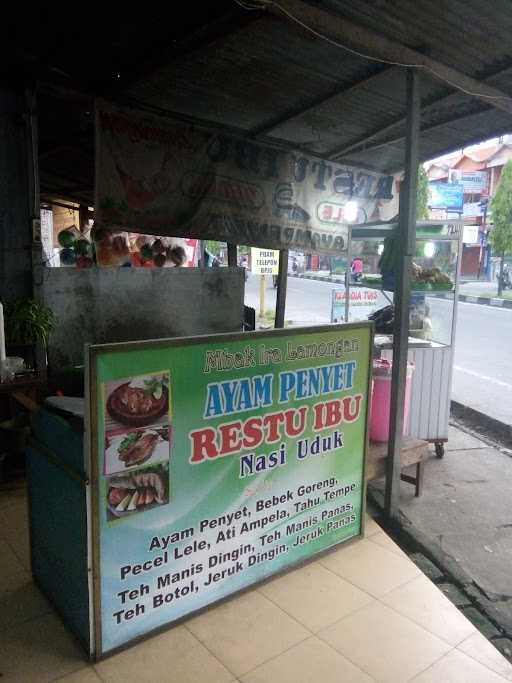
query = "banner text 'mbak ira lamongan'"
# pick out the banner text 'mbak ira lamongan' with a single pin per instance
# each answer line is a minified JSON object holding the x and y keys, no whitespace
{"x":252,"y":393}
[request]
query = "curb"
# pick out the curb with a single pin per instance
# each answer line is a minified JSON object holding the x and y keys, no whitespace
{"x":485,"y":301}
{"x":464,"y":298}
{"x":483,"y":424}
{"x":320,"y":278}
{"x":414,"y":540}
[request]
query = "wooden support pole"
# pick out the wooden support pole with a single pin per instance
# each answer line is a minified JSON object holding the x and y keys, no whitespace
{"x":232,"y":255}
{"x":262,"y":296}
{"x":405,"y":243}
{"x":202,"y":254}
{"x":282,"y":280}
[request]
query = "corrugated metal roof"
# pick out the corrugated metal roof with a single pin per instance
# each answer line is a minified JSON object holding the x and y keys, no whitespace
{"x":272,"y":69}
{"x":266,"y":77}
{"x":471,"y":36}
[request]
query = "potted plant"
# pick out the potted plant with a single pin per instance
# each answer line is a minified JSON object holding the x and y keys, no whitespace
{"x":27,"y":323}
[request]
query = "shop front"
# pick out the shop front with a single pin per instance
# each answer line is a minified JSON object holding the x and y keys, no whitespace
{"x":194,"y":466}
{"x":199,"y":460}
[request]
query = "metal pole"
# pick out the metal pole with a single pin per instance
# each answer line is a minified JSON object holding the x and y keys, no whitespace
{"x":405,"y":243}
{"x":232,"y":255}
{"x":348,"y":271}
{"x":282,"y":279}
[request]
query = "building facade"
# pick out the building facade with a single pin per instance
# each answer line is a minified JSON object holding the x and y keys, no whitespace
{"x":479,"y":171}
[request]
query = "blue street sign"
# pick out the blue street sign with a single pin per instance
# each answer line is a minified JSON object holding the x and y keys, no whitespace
{"x":449,"y":196}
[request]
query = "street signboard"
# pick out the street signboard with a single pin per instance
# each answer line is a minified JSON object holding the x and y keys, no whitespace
{"x":363,"y":302}
{"x":449,"y":196}
{"x":470,"y":234}
{"x":264,"y":261}
{"x":473,"y":209}
{"x":474,"y":182}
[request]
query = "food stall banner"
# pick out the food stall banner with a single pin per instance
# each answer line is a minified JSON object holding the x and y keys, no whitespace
{"x":219,"y":461}
{"x":163,"y":177}
{"x":264,"y":261}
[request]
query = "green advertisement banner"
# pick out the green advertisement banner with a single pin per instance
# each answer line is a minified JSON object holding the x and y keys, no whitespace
{"x":219,"y":461}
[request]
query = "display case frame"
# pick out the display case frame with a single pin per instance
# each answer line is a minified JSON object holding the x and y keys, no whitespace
{"x":433,"y":358}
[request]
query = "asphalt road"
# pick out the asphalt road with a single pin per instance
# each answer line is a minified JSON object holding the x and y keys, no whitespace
{"x":482,"y":376}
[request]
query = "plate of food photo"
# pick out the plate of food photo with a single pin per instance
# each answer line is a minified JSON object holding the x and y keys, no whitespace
{"x":135,"y":448}
{"x":137,"y":491}
{"x":140,"y":401}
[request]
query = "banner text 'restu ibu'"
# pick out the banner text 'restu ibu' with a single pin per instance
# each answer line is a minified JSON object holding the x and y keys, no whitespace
{"x":233,"y":437}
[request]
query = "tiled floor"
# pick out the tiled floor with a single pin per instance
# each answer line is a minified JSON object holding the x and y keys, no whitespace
{"x":359,"y":614}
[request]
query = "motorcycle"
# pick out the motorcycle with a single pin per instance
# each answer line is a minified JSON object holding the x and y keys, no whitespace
{"x":506,"y":281}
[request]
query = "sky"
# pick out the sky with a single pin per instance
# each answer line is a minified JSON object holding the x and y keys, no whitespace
{"x":471,"y":148}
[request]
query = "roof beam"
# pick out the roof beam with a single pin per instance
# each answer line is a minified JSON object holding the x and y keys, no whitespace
{"x":169,"y":51}
{"x":361,"y":141}
{"x":373,"y":44}
{"x":400,"y":121}
{"x":426,"y":129}
{"x":335,"y":93}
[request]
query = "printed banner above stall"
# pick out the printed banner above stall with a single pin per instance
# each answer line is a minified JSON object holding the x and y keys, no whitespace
{"x":159,"y":176}
{"x":218,"y":461}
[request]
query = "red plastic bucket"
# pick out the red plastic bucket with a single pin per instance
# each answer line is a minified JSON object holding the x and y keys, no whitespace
{"x":381,"y":399}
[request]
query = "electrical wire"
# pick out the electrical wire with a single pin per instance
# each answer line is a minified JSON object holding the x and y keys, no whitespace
{"x":262,"y":4}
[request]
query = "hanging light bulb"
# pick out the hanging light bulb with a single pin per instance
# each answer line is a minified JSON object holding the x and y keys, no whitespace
{"x":429,"y":249}
{"x":350,"y":211}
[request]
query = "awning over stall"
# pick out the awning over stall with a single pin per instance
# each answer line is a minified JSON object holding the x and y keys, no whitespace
{"x":324,"y":77}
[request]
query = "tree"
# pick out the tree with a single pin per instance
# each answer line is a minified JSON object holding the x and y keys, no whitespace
{"x":500,"y":236}
{"x":422,"y":195}
{"x":215,"y":247}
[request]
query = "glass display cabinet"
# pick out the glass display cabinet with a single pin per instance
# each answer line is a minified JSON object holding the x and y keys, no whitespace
{"x":433,"y":311}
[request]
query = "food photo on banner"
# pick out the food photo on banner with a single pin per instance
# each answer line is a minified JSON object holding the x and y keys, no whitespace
{"x":245,"y":454}
{"x":137,"y":443}
{"x":169,"y":178}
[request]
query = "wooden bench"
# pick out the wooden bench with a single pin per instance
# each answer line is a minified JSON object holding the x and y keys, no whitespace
{"x":413,"y":452}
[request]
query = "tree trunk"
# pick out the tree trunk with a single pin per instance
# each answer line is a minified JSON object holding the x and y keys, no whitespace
{"x":500,"y":278}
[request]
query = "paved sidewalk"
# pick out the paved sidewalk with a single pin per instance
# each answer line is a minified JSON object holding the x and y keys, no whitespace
{"x":463,"y":521}
{"x":362,"y":613}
